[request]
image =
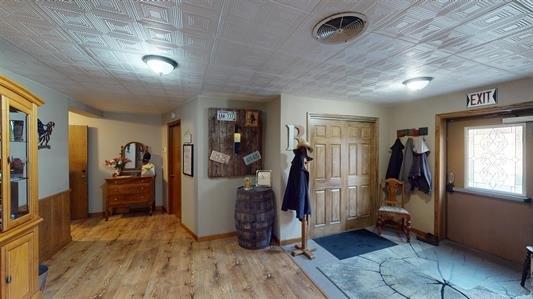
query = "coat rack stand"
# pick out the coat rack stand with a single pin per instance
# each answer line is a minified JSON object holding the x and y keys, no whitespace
{"x":303,"y":249}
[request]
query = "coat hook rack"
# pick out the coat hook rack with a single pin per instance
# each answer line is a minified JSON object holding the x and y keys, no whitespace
{"x":412,"y":132}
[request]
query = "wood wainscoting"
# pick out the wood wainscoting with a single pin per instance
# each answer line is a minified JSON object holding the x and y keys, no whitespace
{"x":54,"y":231}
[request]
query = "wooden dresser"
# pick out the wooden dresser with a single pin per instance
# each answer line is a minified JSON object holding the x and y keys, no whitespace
{"x":128,"y":192}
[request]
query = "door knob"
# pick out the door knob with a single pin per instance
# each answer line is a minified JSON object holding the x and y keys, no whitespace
{"x":8,"y":279}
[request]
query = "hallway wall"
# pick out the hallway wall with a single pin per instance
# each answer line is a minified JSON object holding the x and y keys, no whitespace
{"x":212,"y":200}
{"x":53,"y":167}
{"x":106,"y":135}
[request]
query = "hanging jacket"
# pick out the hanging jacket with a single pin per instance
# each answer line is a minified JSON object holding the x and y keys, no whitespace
{"x":297,"y":192}
{"x":420,"y":174}
{"x":396,"y":159}
{"x":407,"y":164}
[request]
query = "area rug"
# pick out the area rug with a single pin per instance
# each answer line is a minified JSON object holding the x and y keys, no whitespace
{"x":353,"y":243}
{"x":418,"y":270}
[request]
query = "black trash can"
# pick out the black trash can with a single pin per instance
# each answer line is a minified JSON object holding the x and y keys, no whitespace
{"x":43,"y":273}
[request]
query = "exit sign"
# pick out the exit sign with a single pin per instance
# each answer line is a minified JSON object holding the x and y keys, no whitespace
{"x":482,"y":98}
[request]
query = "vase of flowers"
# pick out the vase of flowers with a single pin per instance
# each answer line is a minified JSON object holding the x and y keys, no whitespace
{"x":118,"y":164}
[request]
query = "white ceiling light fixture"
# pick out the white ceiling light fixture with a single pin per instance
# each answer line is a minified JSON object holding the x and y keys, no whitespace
{"x":417,"y":83}
{"x":159,"y":64}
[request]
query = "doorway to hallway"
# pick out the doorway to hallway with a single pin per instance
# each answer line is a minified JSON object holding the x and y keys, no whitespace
{"x":174,"y":168}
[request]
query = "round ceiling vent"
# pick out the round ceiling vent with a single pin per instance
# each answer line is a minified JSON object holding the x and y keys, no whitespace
{"x":340,"y":28}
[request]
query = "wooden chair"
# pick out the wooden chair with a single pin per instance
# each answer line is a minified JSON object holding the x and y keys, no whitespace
{"x":391,"y":211}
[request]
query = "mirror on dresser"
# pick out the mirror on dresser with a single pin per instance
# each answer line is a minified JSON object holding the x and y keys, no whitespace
{"x":134,"y":152}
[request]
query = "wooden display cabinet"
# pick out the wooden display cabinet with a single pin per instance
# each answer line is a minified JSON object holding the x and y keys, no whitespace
{"x":19,"y":215}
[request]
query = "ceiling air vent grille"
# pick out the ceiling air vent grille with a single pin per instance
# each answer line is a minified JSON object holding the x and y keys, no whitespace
{"x":340,"y":28}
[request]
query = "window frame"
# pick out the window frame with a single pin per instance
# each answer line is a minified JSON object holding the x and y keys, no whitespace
{"x":524,"y":162}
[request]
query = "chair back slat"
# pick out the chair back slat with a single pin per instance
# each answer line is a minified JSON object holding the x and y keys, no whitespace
{"x":392,"y":188}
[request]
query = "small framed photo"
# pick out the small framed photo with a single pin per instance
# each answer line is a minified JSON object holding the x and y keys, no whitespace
{"x":188,"y":158}
{"x":252,"y":119}
{"x":264,"y":178}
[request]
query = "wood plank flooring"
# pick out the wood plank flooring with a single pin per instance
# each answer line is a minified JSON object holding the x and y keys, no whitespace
{"x":140,"y":256}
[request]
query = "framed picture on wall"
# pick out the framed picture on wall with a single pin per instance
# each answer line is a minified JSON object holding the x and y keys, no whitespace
{"x":188,"y":157}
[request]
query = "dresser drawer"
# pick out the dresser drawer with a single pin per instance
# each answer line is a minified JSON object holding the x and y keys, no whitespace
{"x":129,"y":181}
{"x":129,"y":189}
{"x":128,"y":199}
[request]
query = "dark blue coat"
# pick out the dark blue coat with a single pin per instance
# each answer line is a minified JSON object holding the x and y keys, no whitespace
{"x":396,"y":160}
{"x":297,"y":192}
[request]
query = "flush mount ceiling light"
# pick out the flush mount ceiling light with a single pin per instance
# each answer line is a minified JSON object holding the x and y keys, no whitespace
{"x":417,"y":83}
{"x":159,"y":64}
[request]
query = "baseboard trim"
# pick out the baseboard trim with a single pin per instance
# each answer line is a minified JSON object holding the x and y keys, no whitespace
{"x":188,"y":230}
{"x":209,"y":237}
{"x":418,"y":232}
{"x":101,"y":214}
{"x":290,"y":241}
{"x":217,"y":236}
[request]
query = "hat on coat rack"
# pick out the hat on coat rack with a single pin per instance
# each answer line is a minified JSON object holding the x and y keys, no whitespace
{"x":304,"y":144}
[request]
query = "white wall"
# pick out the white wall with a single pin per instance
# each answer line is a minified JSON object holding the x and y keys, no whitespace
{"x":294,"y":111}
{"x":216,"y":196}
{"x":208,"y":203}
{"x":106,"y":135}
{"x":422,"y":114}
{"x":272,"y":158}
{"x":53,"y":166}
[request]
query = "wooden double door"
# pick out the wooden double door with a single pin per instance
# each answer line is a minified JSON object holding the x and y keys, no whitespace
{"x":343,"y":183}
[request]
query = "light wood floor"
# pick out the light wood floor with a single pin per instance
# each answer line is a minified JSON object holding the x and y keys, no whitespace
{"x":153,"y":257}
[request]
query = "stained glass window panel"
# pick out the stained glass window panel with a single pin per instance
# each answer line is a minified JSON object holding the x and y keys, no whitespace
{"x":495,"y":158}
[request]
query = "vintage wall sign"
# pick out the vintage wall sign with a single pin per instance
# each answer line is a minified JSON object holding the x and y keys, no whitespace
{"x":482,"y":98}
{"x":251,"y":158}
{"x":294,"y":132}
{"x":223,"y":115}
{"x":219,"y":157}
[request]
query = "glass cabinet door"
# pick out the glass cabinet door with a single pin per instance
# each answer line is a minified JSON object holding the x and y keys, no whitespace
{"x":18,"y":163}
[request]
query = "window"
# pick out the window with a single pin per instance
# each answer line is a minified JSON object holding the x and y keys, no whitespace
{"x":495,"y":159}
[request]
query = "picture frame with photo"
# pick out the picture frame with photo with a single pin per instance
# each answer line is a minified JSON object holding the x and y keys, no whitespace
{"x":251,"y":119}
{"x":264,"y":178}
{"x":188,"y":159}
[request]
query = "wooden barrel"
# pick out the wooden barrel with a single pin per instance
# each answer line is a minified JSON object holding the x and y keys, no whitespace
{"x":254,"y":217}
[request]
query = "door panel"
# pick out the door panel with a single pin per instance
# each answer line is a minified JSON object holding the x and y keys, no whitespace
{"x":18,"y":257}
{"x":343,"y":175}
{"x":363,"y":202}
{"x":320,"y":208}
{"x":78,"y":156}
{"x":174,"y":143}
{"x":335,"y":160}
{"x":352,"y":202}
{"x":336,"y":206}
{"x":320,"y":161}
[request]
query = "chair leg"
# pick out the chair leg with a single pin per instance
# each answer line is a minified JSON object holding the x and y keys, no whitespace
{"x":407,"y":229}
{"x":527,"y":266}
{"x":379,"y":224}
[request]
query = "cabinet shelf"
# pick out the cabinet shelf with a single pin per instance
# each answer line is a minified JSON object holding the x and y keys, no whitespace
{"x":18,"y":179}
